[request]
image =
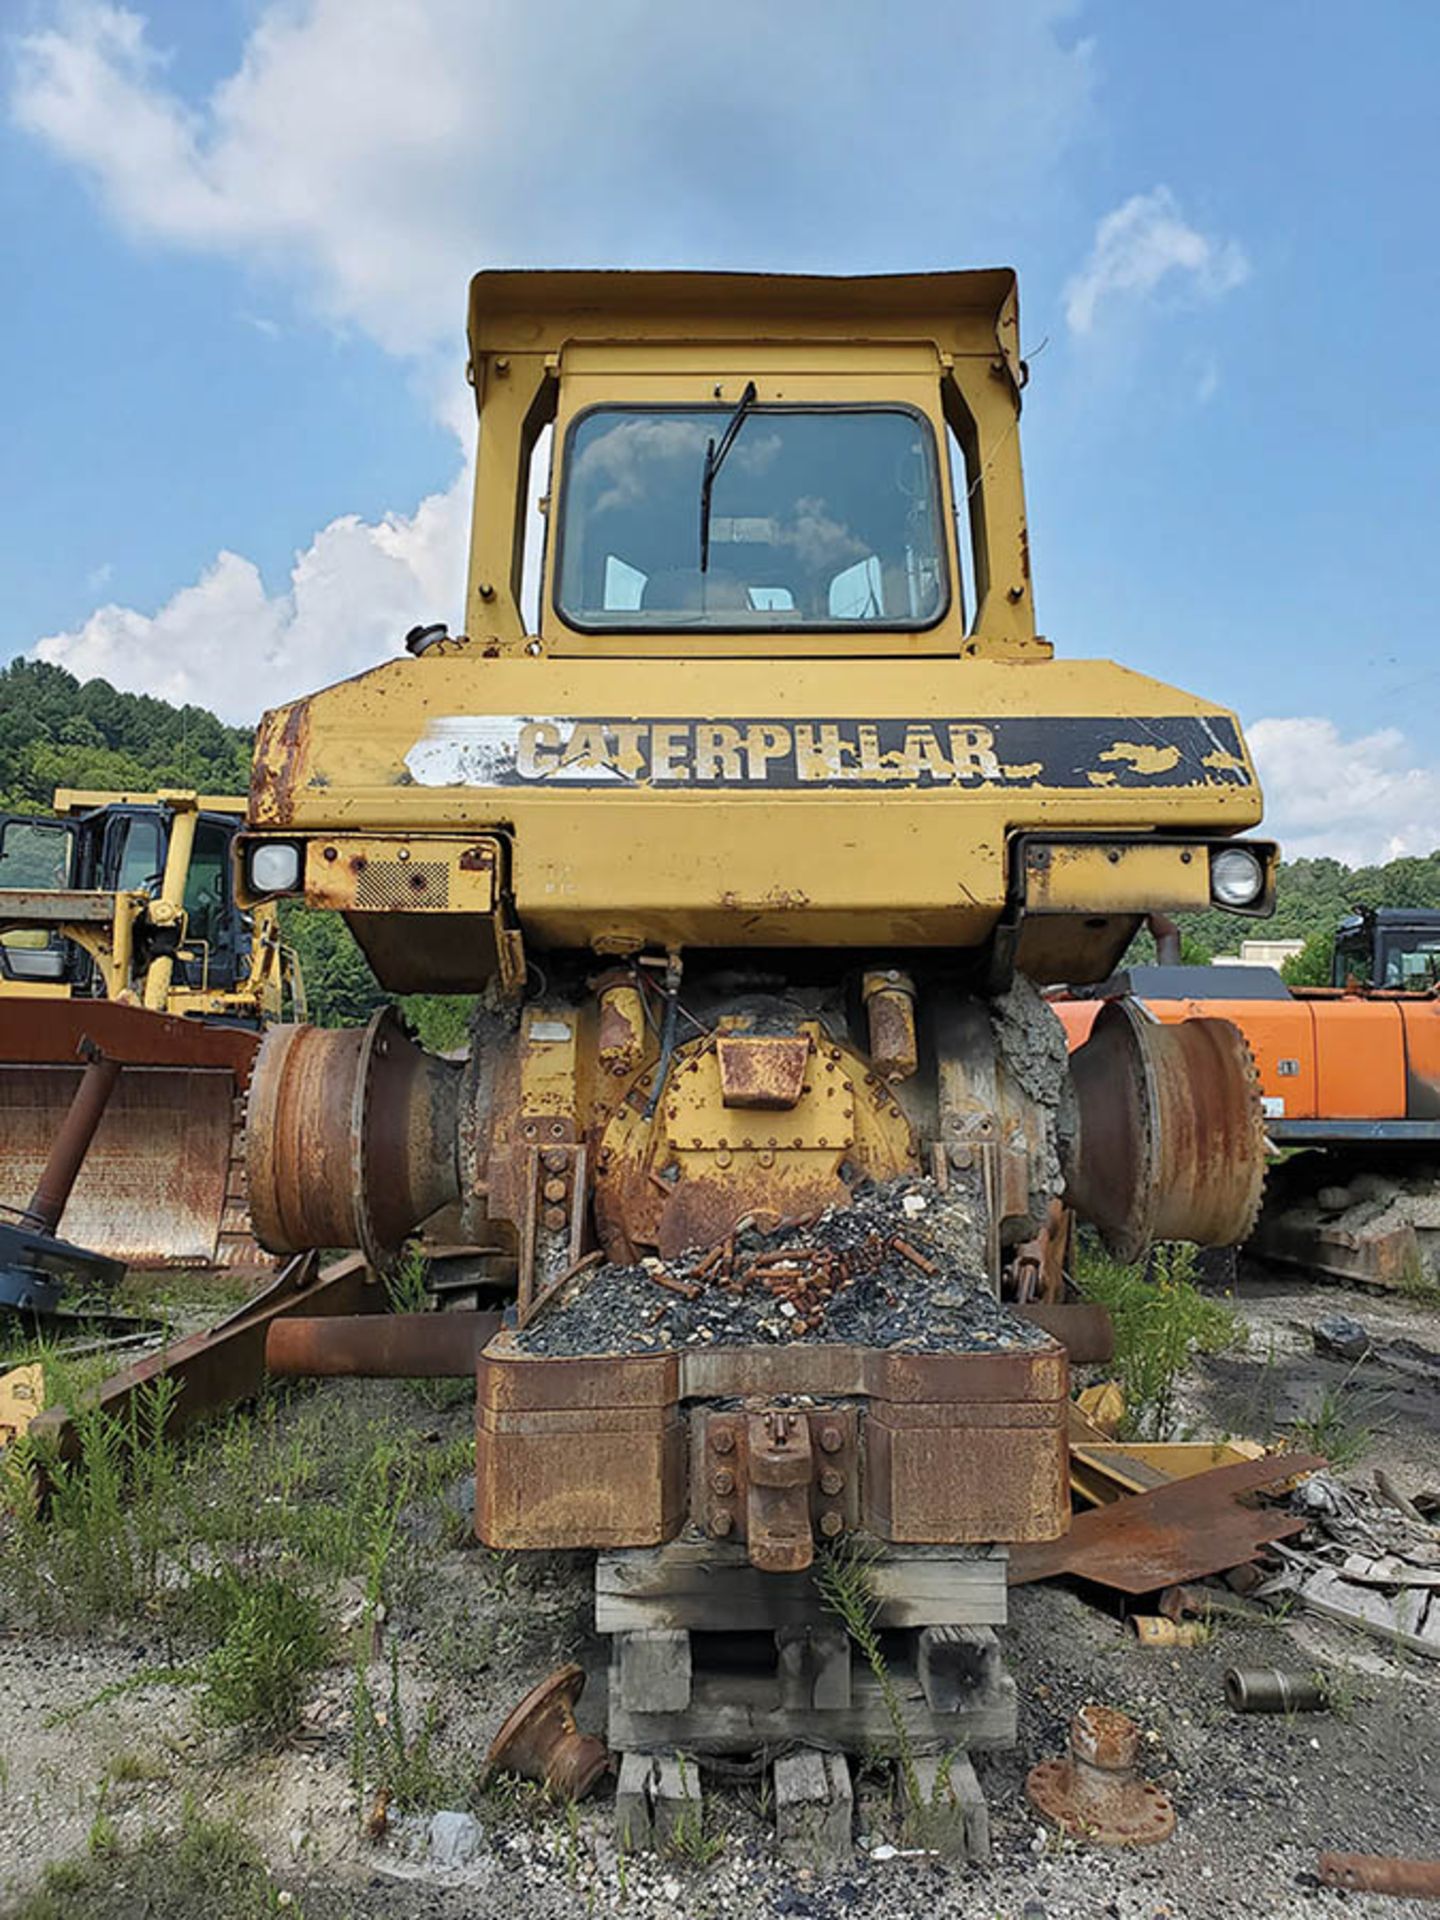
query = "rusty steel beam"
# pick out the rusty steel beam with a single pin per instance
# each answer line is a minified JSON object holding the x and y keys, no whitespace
{"x":407,"y":1346}
{"x":225,"y":1363}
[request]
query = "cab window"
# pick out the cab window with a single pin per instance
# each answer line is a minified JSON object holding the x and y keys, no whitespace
{"x":820,"y":517}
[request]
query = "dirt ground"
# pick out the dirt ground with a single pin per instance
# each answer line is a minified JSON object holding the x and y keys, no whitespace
{"x":108,"y":1767}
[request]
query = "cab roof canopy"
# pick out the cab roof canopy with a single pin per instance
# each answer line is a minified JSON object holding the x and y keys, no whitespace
{"x":539,"y":311}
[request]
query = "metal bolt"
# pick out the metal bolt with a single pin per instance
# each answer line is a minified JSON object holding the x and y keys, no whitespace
{"x":831,"y":1523}
{"x":960,"y":1158}
{"x":332,"y":853}
{"x":722,"y":1439}
{"x":555,"y":1189}
{"x":831,"y":1439}
{"x":722,"y":1521}
{"x":553,"y":1159}
{"x":723,"y":1480}
{"x":555,"y":1218}
{"x":486,"y":590}
{"x":832,"y":1481}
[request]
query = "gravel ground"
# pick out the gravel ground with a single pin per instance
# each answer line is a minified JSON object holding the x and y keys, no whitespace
{"x":1257,"y":1797}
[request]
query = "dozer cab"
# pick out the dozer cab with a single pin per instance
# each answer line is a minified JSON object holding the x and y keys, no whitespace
{"x":121,"y":941}
{"x":756,"y":841}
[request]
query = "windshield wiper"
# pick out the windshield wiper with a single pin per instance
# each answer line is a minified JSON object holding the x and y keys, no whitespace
{"x":714,"y":459}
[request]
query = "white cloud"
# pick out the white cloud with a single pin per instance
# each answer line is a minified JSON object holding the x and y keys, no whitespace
{"x":1141,"y":244}
{"x":227,"y":644}
{"x":1359,"y":800}
{"x":384,"y":151}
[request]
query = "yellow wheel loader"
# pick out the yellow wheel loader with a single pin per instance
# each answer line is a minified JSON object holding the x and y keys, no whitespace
{"x":756,"y":811}
{"x":122,"y":943}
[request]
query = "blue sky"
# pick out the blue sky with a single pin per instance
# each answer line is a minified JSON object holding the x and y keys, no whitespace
{"x":237,"y":238}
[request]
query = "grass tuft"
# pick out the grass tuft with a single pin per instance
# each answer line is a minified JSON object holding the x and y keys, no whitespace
{"x":1162,"y":1320}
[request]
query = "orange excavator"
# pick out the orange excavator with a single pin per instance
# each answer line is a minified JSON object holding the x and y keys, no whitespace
{"x":1350,"y":1079}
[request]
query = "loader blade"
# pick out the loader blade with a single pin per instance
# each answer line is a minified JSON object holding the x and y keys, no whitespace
{"x":158,"y":1187}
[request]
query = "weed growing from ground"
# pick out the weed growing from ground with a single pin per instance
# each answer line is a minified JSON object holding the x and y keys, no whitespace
{"x":1162,"y":1320}
{"x":274,"y":1640}
{"x":1339,"y":1427}
{"x":843,"y":1575}
{"x":210,"y":1867}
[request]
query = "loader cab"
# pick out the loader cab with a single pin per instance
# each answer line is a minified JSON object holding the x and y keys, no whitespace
{"x":1394,"y":949}
{"x":122,"y":848}
{"x":729,"y":465}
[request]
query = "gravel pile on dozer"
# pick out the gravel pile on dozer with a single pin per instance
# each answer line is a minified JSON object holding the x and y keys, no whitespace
{"x":901,"y":1267}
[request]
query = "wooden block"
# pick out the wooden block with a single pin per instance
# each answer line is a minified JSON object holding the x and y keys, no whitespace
{"x":813,"y":1666}
{"x":711,"y":1586}
{"x":657,"y":1797}
{"x":814,"y":1808}
{"x":951,"y":1814}
{"x":652,"y":1669}
{"x":738,"y":1712}
{"x":956,"y":1665}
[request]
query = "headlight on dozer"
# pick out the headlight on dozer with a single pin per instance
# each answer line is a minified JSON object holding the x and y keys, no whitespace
{"x":272,"y":866}
{"x":1237,"y":877}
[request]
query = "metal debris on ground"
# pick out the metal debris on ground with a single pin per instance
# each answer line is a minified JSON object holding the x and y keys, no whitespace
{"x":1339,"y":1337}
{"x":1366,"y":1563}
{"x":1381,"y":1873}
{"x":1094,"y":1793}
{"x":1273,"y":1690}
{"x":1176,"y":1532}
{"x":540,"y":1740}
{"x":881,"y":1272}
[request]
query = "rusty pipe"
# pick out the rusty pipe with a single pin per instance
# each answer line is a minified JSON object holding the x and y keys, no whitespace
{"x":405,"y":1346}
{"x":72,"y":1141}
{"x":1382,"y":1873}
{"x":1166,"y":936}
{"x":1273,"y":1690}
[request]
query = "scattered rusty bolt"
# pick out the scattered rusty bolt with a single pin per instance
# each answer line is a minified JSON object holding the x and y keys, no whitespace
{"x":832,"y":1481}
{"x":721,"y":1522}
{"x":722,"y":1439}
{"x":1382,"y":1873}
{"x":723,"y":1480}
{"x":831,"y":1523}
{"x":555,"y":1218}
{"x":831,"y":1439}
{"x":554,"y":1189}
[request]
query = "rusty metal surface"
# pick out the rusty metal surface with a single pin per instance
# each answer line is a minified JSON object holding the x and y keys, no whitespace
{"x":153,"y":1187}
{"x":1094,"y":1793}
{"x":1171,"y":1141}
{"x":765,"y":1071}
{"x":1083,"y":1327}
{"x":540,"y":1741}
{"x":71,"y":1143}
{"x":889,"y":999}
{"x":226,"y":1363}
{"x":959,"y":1447}
{"x":351,"y":1137}
{"x":432,"y":1346}
{"x":1381,"y":1873}
{"x":1173,"y":1533}
{"x":775,"y":1478}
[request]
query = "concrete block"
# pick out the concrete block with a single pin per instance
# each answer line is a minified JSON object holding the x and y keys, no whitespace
{"x":654,"y":1670}
{"x":814,"y":1807}
{"x":656,"y":1795}
{"x":951,"y":1814}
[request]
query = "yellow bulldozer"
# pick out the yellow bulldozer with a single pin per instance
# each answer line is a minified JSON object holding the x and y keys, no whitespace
{"x":757,"y":839}
{"x":128,"y":966}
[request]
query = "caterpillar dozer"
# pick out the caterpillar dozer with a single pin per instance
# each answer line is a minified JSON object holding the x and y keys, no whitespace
{"x":756,"y":843}
{"x":127,"y":968}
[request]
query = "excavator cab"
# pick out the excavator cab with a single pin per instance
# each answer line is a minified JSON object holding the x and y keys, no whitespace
{"x":1395,"y":949}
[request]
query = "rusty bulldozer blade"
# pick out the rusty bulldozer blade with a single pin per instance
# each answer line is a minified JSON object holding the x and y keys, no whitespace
{"x":1094,"y":1793}
{"x":153,"y":1187}
{"x":1171,"y":1139}
{"x":541,"y":1741}
{"x":351,"y":1137}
